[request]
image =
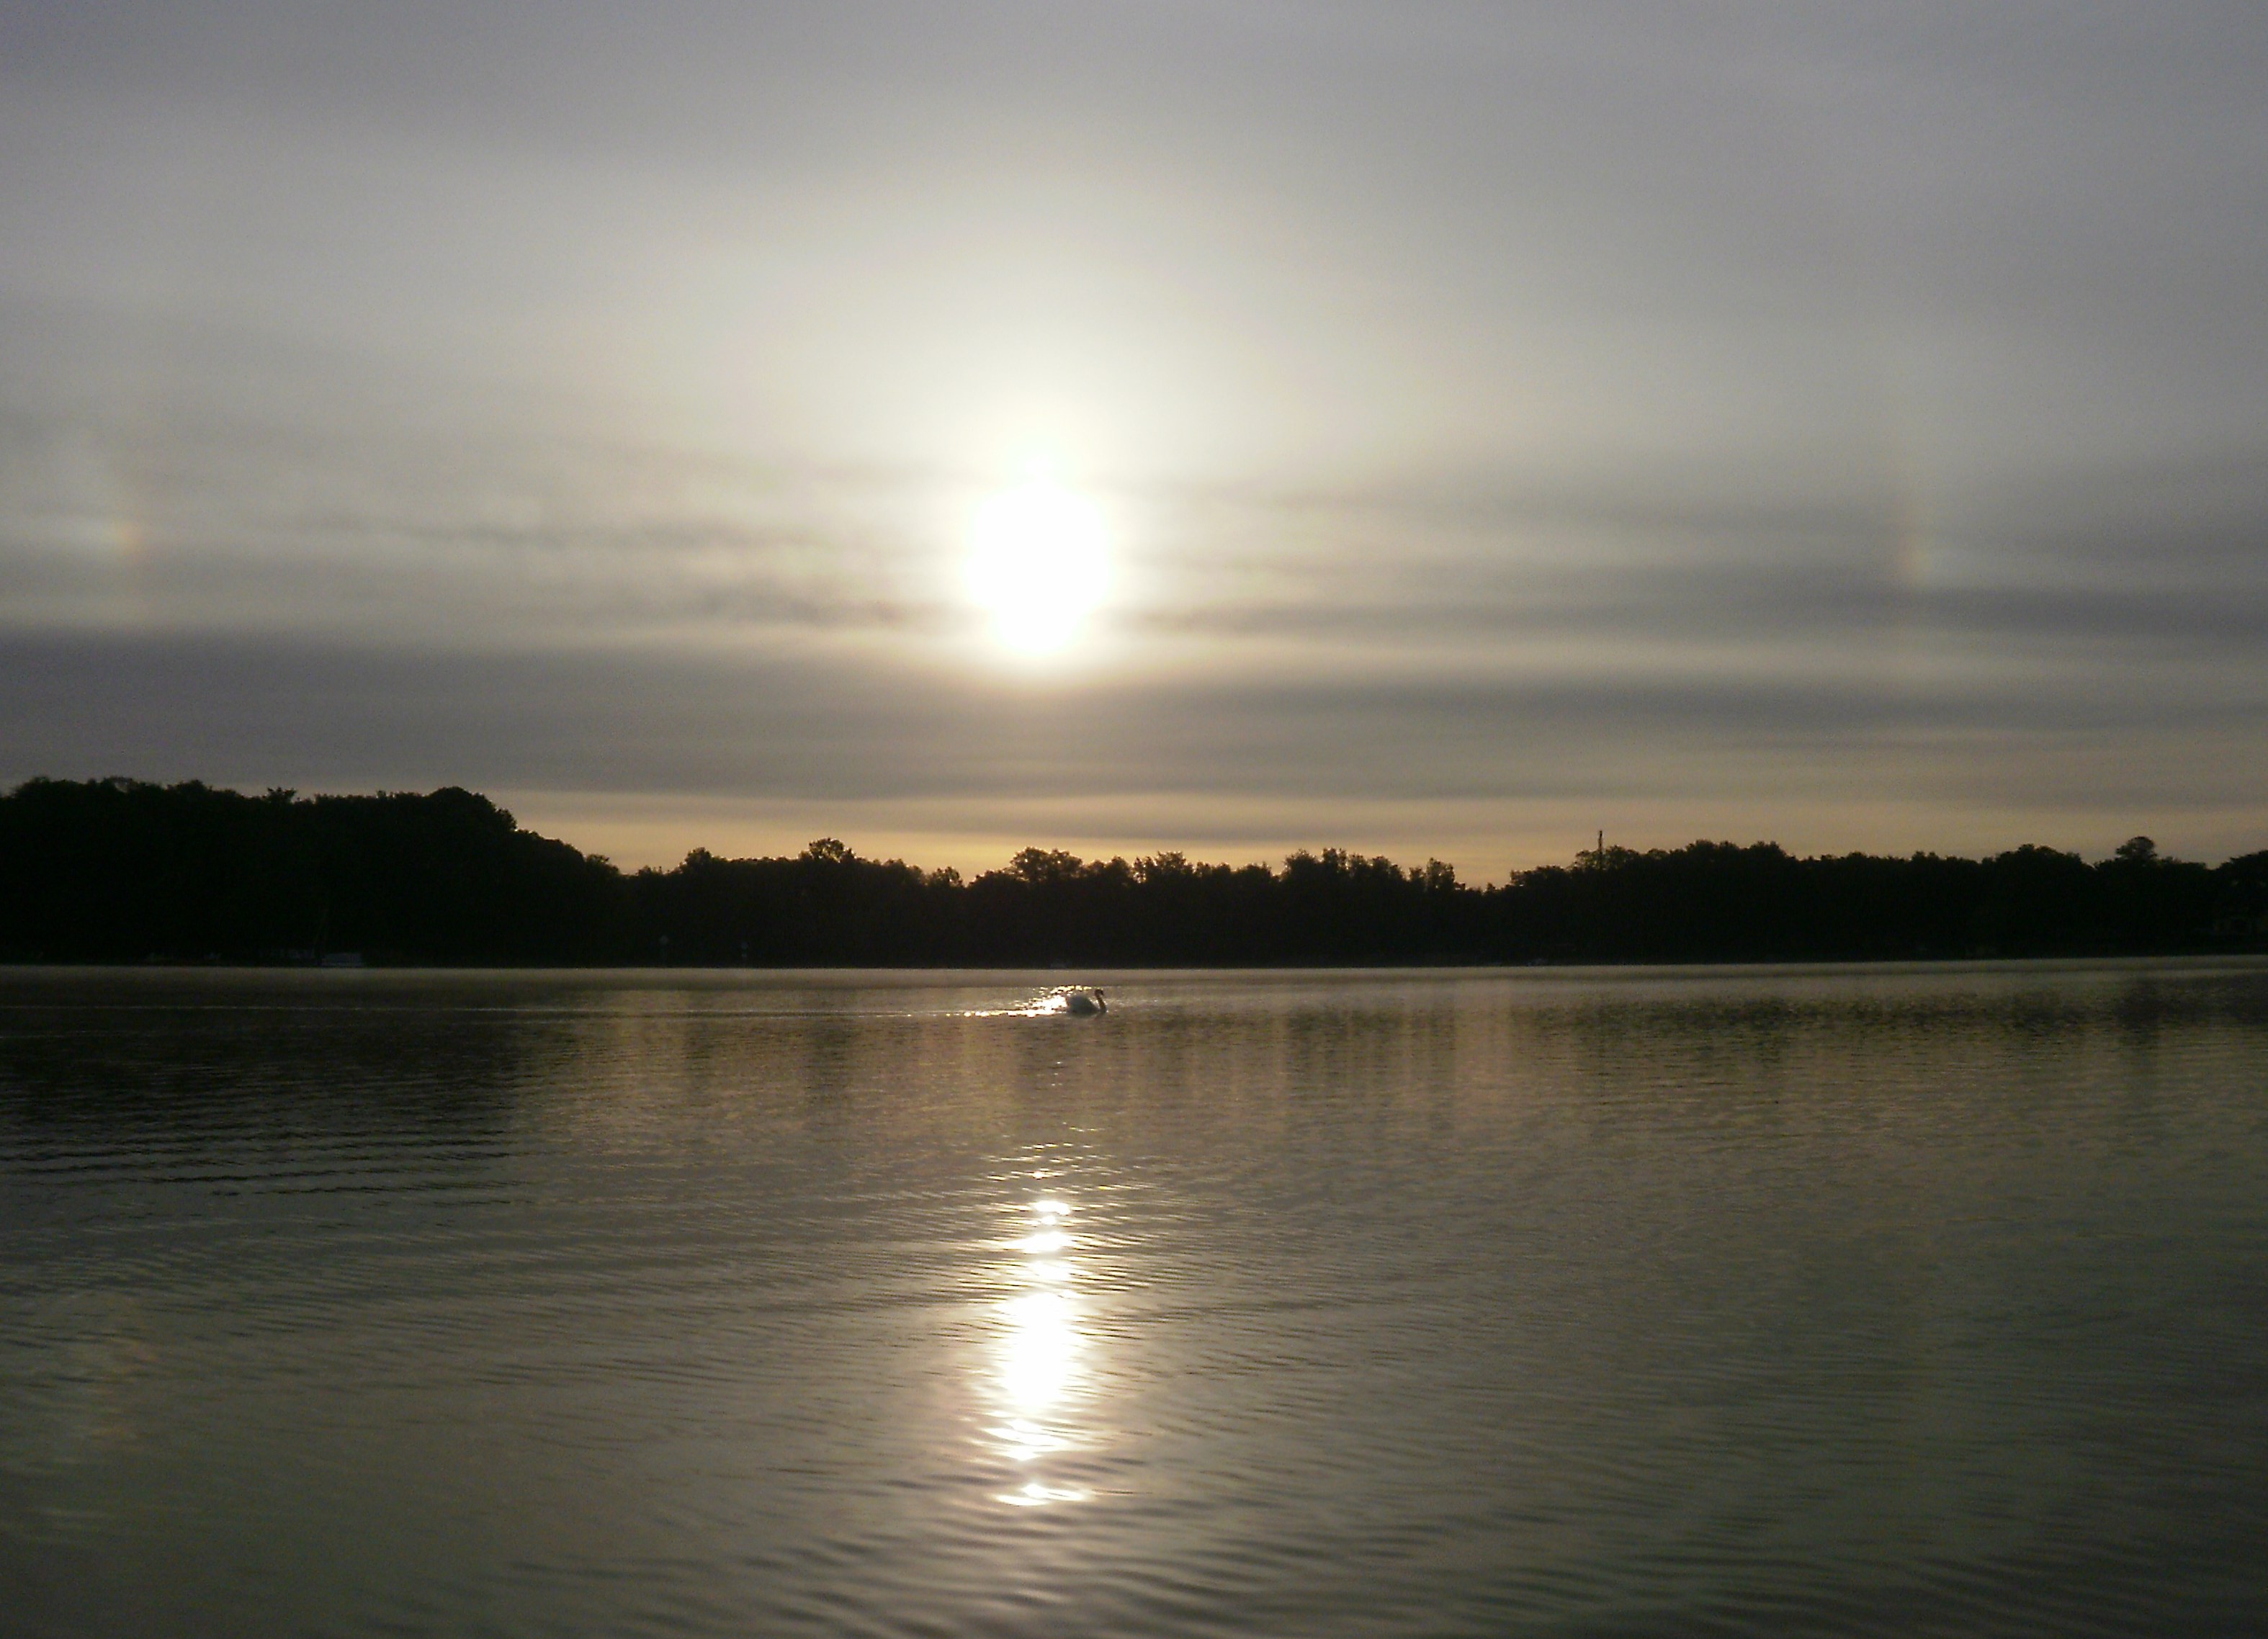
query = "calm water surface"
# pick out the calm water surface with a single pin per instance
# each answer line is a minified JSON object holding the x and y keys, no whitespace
{"x":1905,"y":1301}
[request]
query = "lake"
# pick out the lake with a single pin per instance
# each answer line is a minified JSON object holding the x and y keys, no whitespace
{"x":1884,"y":1300}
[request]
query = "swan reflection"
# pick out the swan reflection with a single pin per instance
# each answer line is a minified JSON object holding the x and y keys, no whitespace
{"x":1040,"y":1348}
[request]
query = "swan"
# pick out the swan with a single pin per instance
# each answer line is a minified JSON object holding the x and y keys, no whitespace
{"x":1085,"y":1003}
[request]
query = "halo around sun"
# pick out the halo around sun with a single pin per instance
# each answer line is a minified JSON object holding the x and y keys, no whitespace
{"x":1038,"y":564}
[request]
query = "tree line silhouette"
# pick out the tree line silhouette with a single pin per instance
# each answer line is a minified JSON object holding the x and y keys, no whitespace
{"x":122,"y":871}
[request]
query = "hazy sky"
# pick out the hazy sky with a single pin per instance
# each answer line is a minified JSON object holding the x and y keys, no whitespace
{"x":1842,"y":423}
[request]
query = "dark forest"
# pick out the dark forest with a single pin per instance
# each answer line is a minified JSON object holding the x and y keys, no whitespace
{"x":110,"y":870}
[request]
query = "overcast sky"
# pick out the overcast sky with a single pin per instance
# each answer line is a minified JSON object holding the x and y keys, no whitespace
{"x":1841,"y":423}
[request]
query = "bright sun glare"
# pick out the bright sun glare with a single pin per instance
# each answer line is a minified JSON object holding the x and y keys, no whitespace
{"x":1037,"y":563}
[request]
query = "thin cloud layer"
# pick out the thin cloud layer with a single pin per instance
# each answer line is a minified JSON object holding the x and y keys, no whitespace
{"x":1699,"y":417}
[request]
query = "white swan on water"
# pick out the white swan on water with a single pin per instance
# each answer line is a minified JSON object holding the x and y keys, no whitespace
{"x":1085,"y":1003}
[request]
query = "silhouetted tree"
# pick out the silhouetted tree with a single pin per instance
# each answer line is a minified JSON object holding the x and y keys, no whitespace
{"x":120,"y":870}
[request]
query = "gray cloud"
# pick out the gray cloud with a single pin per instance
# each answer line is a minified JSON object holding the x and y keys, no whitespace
{"x":1494,"y":406}
{"x":816,"y":725}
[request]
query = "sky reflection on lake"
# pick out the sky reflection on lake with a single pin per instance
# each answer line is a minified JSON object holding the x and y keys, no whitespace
{"x":1868,"y":1301}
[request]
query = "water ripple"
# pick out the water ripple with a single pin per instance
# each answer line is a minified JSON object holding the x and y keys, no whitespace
{"x":1865,"y":1301}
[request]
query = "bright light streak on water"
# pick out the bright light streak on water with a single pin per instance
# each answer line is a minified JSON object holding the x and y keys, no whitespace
{"x":1041,"y":1348}
{"x":1800,"y":1302}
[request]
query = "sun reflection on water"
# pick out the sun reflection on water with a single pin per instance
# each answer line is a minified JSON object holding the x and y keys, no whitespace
{"x":1039,"y":1360}
{"x":1037,"y":1495}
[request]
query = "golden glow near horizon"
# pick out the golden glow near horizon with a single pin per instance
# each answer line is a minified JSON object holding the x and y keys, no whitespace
{"x":1039,"y":563}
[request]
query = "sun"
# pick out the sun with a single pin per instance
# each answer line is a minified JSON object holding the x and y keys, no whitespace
{"x":1038,"y":563}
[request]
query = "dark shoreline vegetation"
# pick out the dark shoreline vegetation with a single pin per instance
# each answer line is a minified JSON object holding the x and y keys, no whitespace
{"x":111,"y":871}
